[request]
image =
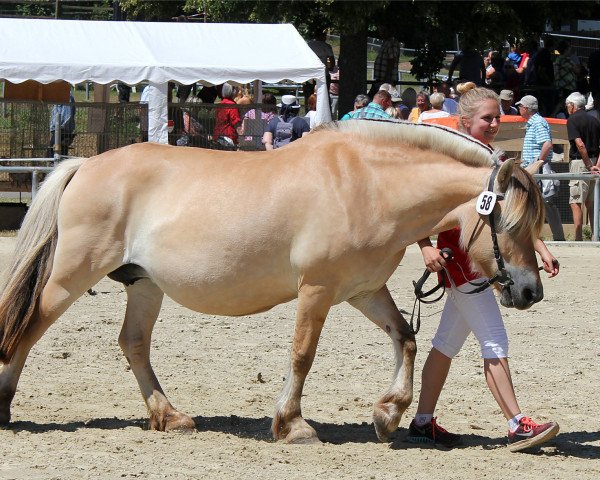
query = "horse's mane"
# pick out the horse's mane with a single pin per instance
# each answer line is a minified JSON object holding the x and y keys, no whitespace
{"x":523,"y":209}
{"x":422,"y":135}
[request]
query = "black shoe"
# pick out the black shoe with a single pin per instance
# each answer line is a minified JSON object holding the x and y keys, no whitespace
{"x":432,"y":433}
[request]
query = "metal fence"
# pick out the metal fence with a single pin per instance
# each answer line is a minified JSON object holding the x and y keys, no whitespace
{"x":562,"y":198}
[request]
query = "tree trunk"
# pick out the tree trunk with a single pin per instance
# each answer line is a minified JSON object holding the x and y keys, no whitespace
{"x":353,"y":69}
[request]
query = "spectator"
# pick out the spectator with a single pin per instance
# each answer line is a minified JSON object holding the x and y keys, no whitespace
{"x":385,"y":68}
{"x":360,"y":101}
{"x":594,"y":73}
{"x":450,"y":105}
{"x":66,"y":112}
{"x":489,"y":68}
{"x":541,"y":76}
{"x":208,"y":94}
{"x":584,"y":137}
{"x":497,"y":74}
{"x":311,"y":114}
{"x":402,"y":110}
{"x":565,"y":76}
{"x":227,"y":119}
{"x":423,"y":104}
{"x":287,"y":127}
{"x":514,"y":57}
{"x":537,"y":145}
{"x":192,"y":128}
{"x":256,"y":131}
{"x":506,"y":103}
{"x":409,"y":97}
{"x":124,"y":92}
{"x":523,"y":63}
{"x":375,"y":109}
{"x":470,"y":65}
{"x":436,"y":110}
{"x":334,"y":91}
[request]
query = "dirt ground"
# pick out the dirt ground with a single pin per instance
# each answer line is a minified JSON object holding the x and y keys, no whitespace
{"x":78,"y":413}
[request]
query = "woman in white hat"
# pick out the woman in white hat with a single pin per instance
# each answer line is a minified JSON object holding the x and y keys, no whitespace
{"x":287,"y":127}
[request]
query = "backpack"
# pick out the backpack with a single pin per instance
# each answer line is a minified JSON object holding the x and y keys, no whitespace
{"x":283,"y":132}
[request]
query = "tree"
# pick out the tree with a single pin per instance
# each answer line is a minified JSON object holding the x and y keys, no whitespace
{"x":430,"y":27}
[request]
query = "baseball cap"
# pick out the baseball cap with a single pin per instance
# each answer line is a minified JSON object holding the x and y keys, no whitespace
{"x":529,"y":101}
{"x":507,"y":95}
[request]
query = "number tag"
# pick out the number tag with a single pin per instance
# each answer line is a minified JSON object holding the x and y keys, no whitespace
{"x":485,"y":202}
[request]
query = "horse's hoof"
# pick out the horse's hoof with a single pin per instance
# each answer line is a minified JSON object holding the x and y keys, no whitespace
{"x":180,"y":423}
{"x":301,"y":433}
{"x":386,"y":419}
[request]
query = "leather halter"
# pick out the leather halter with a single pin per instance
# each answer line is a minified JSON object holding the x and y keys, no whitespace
{"x":502,"y":277}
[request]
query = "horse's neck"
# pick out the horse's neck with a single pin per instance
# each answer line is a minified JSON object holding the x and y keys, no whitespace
{"x":445,"y":198}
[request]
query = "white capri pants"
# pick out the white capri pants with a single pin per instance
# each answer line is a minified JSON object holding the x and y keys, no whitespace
{"x":465,"y":313}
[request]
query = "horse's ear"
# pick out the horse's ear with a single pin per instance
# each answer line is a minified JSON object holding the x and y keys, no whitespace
{"x":534,"y":167}
{"x":504,"y":174}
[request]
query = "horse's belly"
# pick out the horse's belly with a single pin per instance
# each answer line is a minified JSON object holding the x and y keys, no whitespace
{"x":228,"y":295}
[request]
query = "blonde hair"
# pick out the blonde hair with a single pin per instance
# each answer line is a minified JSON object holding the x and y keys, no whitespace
{"x":244,"y":100}
{"x":392,"y":112}
{"x":437,"y":100}
{"x":471,"y":100}
{"x":464,"y":87}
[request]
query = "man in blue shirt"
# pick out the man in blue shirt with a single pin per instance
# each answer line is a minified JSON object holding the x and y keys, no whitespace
{"x":67,"y":126}
{"x":376,"y":109}
{"x":537,"y":144}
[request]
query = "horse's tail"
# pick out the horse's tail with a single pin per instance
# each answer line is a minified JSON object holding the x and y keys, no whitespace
{"x":32,"y":261}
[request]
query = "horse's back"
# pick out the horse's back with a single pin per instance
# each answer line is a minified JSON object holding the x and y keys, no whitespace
{"x":229,"y":232}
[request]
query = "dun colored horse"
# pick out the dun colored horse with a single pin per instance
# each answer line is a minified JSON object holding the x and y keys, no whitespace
{"x":326,"y":219}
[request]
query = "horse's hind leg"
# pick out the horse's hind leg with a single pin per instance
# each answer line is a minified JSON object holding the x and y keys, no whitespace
{"x":288,"y":424}
{"x":144,"y":300}
{"x":58,"y":294}
{"x":379,"y":307}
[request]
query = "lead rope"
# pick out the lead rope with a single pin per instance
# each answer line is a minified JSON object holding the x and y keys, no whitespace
{"x":420,"y":295}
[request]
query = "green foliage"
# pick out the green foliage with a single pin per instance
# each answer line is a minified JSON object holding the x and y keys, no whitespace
{"x":38,"y":9}
{"x":152,"y":10}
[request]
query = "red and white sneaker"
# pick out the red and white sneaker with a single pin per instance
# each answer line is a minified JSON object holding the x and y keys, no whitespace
{"x":529,"y":434}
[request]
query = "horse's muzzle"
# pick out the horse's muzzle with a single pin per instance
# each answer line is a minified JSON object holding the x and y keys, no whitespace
{"x":521,"y":298}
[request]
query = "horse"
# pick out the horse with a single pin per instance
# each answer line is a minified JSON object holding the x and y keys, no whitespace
{"x":326,"y":219}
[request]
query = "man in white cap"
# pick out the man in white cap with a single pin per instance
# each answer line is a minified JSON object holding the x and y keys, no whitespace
{"x":506,"y":103}
{"x":537,"y":145}
{"x":287,"y":127}
{"x":584,"y":137}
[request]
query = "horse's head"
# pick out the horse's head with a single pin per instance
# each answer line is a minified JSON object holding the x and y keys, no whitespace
{"x":517,"y":219}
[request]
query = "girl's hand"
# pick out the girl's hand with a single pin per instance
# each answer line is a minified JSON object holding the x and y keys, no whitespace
{"x":434,"y":260}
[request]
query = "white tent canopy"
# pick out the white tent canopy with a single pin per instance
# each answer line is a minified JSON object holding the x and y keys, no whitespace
{"x":133,"y":52}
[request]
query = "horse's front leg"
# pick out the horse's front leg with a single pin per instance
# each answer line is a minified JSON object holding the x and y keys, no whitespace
{"x":144,"y":300}
{"x":288,"y":424}
{"x":379,"y":307}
